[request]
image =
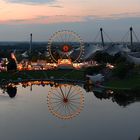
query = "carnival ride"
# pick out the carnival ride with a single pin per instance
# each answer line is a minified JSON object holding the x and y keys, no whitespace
{"x":65,"y":47}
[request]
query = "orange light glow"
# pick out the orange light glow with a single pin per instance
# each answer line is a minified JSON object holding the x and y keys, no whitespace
{"x":65,"y":48}
{"x":29,"y":67}
{"x":13,"y":56}
{"x":20,"y":67}
{"x":77,"y":65}
{"x":109,"y":66}
{"x":64,"y":62}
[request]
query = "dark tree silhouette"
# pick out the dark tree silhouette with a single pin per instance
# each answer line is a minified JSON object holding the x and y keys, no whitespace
{"x":11,"y":65}
{"x":11,"y":91}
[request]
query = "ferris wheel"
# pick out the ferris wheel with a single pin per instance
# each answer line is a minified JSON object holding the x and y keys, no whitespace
{"x":65,"y":44}
{"x":65,"y":101}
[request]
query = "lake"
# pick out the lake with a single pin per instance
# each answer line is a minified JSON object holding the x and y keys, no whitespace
{"x":31,"y":115}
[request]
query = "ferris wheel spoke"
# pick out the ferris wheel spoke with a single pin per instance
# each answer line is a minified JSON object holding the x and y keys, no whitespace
{"x":62,"y":92}
{"x":55,"y":106}
{"x":68,"y":110}
{"x":65,"y":92}
{"x":68,"y":56}
{"x":58,"y":38}
{"x":68,"y":38}
{"x":75,"y":103}
{"x":55,"y":102}
{"x":75,"y":107}
{"x":65,"y":38}
{"x":69,"y":91}
{"x":75,"y":94}
{"x":78,"y":102}
{"x":56,"y":99}
{"x":62,"y":38}
{"x":75,"y":99}
{"x":58,"y":95}
{"x":72,"y":108}
{"x":59,"y":107}
{"x":65,"y":110}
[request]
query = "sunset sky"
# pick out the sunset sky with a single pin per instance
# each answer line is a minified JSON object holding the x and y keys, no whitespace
{"x":18,"y":18}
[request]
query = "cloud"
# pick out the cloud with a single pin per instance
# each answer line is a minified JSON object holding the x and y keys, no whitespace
{"x":112,"y":16}
{"x":122,"y":15}
{"x":31,"y":1}
{"x":70,"y":19}
{"x":50,"y":19}
{"x":56,"y":6}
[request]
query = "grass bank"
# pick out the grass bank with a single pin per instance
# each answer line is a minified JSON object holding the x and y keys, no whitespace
{"x":56,"y":74}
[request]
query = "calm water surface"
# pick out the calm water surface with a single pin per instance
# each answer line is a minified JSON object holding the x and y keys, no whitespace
{"x":27,"y":117}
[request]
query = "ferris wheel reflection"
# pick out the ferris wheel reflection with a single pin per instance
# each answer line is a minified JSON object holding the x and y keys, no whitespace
{"x":65,"y":101}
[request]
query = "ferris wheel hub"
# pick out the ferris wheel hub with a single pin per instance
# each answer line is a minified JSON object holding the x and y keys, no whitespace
{"x":66,"y":48}
{"x":65,"y":100}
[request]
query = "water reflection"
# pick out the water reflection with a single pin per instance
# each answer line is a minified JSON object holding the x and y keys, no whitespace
{"x":35,"y":118}
{"x":121,"y":97}
{"x":65,"y":101}
{"x":10,"y":89}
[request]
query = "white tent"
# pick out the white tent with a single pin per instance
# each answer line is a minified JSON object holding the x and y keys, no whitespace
{"x":90,"y":50}
{"x":25,"y":55}
{"x":116,"y":49}
{"x":133,"y":59}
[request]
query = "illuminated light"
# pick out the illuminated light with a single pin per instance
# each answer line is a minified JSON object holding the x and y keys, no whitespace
{"x":109,"y":92}
{"x":65,"y":48}
{"x":29,"y":67}
{"x":77,"y":65}
{"x":64,"y":62}
{"x":13,"y":56}
{"x":20,"y":67}
{"x":29,"y":83}
{"x":109,"y":66}
{"x":55,"y":65}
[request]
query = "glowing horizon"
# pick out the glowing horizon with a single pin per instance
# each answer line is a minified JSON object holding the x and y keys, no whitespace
{"x":43,"y":17}
{"x":54,"y":11}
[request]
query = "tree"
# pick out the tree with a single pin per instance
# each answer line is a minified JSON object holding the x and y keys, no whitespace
{"x":12,"y":65}
{"x":11,"y":91}
{"x":122,"y":69}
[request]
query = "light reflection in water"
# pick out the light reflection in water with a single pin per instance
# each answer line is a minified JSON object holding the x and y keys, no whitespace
{"x":99,"y":116}
{"x":65,"y":101}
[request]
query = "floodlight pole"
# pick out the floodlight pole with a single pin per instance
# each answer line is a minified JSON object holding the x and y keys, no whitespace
{"x":30,"y":43}
{"x":102,"y":37}
{"x":131,"y":36}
